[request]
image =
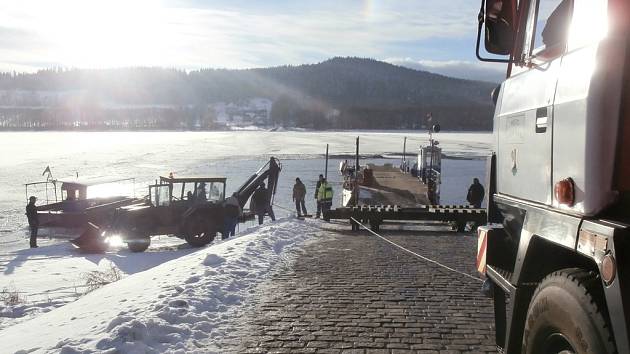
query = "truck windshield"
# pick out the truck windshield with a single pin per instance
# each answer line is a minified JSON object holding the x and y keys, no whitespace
{"x":552,"y":23}
{"x":215,"y":191}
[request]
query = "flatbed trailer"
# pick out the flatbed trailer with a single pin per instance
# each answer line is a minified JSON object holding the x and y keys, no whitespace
{"x":377,"y":214}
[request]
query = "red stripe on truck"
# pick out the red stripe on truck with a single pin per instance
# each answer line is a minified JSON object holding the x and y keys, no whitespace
{"x":482,"y":245}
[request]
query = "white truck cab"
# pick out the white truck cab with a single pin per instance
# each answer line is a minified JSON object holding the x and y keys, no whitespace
{"x":560,"y":175}
{"x":557,"y":117}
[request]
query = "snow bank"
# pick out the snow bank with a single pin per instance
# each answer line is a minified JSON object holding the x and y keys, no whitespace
{"x":179,"y":306}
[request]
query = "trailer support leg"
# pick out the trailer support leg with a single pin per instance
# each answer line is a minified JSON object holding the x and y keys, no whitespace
{"x":355,"y":226}
{"x":375,"y":225}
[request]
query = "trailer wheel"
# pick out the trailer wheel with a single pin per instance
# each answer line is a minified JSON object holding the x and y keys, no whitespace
{"x":566,"y":315}
{"x":139,"y":244}
{"x":199,"y":231}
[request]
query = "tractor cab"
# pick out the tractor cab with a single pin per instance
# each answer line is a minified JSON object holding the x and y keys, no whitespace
{"x":187,"y":190}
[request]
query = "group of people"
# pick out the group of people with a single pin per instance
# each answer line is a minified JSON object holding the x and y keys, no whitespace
{"x":261,"y":203}
{"x":323,"y":195}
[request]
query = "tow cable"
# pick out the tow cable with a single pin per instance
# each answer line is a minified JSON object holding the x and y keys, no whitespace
{"x":404,"y":249}
{"x":415,"y":254}
{"x":281,"y":207}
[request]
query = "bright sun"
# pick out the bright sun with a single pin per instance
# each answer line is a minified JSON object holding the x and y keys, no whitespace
{"x":107,"y":34}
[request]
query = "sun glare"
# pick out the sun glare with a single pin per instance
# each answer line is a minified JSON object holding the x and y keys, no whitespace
{"x":93,"y":34}
{"x":114,"y":241}
{"x":596,"y":15}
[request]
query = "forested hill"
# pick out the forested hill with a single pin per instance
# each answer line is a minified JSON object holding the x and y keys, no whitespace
{"x":338,"y":93}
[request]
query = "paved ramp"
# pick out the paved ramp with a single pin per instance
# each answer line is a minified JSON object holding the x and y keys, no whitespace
{"x":354,"y":293}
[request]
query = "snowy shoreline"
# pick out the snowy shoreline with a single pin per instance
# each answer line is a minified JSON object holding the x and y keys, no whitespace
{"x":177,"y":306}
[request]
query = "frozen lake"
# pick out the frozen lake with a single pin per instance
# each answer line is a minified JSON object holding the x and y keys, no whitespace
{"x":236,"y":155}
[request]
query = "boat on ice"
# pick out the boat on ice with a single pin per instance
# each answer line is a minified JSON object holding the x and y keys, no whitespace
{"x":71,"y":203}
{"x":404,"y":185}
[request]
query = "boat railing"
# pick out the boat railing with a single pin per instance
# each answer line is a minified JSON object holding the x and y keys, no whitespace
{"x":48,"y":190}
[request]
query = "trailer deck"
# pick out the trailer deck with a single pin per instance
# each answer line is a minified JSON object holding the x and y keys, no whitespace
{"x":377,"y":214}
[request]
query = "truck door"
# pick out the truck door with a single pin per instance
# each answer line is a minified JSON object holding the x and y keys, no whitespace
{"x":524,"y":120}
{"x":160,"y":196}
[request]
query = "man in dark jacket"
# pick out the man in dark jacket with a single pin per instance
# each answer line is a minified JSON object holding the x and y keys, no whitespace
{"x":475,"y":194}
{"x":319,"y":205}
{"x":299,"y":193}
{"x":33,"y":221}
{"x":262,"y":204}
{"x":231,"y":213}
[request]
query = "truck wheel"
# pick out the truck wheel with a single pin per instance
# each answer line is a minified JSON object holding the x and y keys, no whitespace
{"x":139,"y":244}
{"x":566,"y":315}
{"x":199,"y":231}
{"x":200,"y":239}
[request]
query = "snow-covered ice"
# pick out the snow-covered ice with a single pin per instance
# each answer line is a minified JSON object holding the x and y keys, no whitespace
{"x":178,"y":306}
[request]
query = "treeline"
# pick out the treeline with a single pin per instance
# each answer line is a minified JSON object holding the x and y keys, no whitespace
{"x":343,"y":93}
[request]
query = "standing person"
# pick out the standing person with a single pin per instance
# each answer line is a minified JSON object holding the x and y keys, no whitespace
{"x":475,"y":193}
{"x":325,"y":195}
{"x":33,"y":221}
{"x":319,"y":206}
{"x":231,"y":213}
{"x":262,"y":204}
{"x":299,"y":194}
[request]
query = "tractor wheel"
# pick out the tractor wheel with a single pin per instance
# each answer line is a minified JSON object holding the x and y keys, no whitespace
{"x":199,"y":231}
{"x":139,"y":244}
{"x":566,"y":316}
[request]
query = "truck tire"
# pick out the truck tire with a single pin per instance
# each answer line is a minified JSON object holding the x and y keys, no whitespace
{"x":139,"y":244}
{"x":199,"y":231}
{"x":201,"y":239}
{"x":566,"y":315}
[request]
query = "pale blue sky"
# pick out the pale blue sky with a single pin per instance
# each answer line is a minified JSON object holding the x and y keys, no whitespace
{"x":193,"y":34}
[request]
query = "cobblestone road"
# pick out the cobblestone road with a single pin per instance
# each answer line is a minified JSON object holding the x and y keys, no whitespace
{"x":354,"y":293}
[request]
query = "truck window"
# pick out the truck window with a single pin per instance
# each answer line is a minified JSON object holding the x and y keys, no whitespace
{"x":552,"y":26}
{"x":159,"y":195}
{"x":188,"y":190}
{"x":215,"y":191}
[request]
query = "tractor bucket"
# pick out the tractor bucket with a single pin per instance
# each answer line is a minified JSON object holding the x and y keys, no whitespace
{"x":91,"y":240}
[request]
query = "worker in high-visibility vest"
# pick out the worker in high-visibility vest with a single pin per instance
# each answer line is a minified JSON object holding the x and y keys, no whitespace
{"x":325,"y":195}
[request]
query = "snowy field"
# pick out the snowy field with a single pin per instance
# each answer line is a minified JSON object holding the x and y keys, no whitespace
{"x":47,"y":285}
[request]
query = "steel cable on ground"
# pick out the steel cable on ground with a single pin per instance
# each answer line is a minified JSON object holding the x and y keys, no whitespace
{"x":281,"y":207}
{"x":416,"y":254}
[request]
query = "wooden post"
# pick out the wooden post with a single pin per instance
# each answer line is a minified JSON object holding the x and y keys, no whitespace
{"x":356,"y":162}
{"x":405,"y":153}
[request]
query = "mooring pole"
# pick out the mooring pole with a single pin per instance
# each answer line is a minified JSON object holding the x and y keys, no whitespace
{"x":326,"y":169}
{"x":356,"y":162}
{"x":404,"y":153}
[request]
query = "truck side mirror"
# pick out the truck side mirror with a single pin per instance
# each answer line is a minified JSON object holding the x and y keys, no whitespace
{"x":498,"y":17}
{"x":499,"y":20}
